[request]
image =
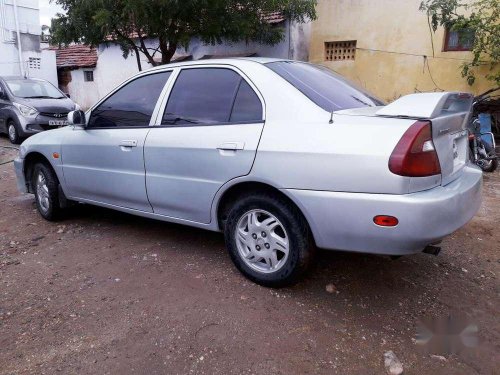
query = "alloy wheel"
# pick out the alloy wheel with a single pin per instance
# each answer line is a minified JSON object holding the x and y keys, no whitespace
{"x":42,"y":191}
{"x":12,"y":132}
{"x":262,"y":241}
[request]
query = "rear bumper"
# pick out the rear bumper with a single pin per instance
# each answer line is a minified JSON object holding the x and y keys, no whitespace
{"x":344,"y":221}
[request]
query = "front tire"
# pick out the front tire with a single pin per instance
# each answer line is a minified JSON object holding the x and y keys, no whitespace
{"x":45,"y":185}
{"x":13,"y":133}
{"x":268,"y":240}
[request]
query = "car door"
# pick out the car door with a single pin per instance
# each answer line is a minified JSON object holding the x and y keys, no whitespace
{"x":209,"y":133}
{"x":104,"y":162}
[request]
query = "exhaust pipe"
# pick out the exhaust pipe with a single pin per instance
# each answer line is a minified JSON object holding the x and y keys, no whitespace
{"x":433,"y":250}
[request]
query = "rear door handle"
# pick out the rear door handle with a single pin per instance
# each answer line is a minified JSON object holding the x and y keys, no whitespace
{"x":231,"y":146}
{"x":128,"y":143}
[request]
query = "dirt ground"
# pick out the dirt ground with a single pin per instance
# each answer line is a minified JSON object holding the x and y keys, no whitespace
{"x":108,"y":293}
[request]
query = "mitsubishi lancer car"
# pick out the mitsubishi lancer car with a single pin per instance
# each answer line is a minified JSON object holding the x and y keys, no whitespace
{"x":281,"y":156}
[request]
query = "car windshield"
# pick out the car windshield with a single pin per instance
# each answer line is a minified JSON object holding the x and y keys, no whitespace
{"x":329,"y":90}
{"x":25,"y":88}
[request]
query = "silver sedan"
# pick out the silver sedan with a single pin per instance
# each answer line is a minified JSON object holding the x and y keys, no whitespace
{"x":281,"y":156}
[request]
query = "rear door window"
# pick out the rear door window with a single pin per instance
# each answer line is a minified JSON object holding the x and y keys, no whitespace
{"x":132,"y":105}
{"x":209,"y":96}
{"x":247,"y":106}
{"x":327,"y":89}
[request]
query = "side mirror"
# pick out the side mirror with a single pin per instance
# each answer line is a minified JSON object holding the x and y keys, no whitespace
{"x":77,"y":118}
{"x":67,"y":95}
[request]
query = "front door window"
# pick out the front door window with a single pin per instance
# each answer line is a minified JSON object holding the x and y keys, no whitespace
{"x":132,"y":105}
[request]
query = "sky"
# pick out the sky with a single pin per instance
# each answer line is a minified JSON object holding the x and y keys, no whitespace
{"x":48,"y":10}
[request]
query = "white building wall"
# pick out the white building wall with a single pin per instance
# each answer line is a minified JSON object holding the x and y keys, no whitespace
{"x":300,"y":38}
{"x":29,"y":16}
{"x":9,"y":60}
{"x":85,"y":94}
{"x":46,"y":69}
{"x":29,"y":27}
{"x":112,"y":69}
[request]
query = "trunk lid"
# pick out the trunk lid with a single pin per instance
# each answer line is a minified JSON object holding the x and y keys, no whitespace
{"x":449,"y":114}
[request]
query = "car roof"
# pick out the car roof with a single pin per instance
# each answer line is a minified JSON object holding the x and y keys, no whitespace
{"x":232,"y":61}
{"x":12,"y":78}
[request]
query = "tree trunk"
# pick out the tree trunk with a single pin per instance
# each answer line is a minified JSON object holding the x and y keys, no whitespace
{"x":167,"y":49}
{"x":138,"y":57}
{"x":166,"y":58}
{"x":146,"y":53}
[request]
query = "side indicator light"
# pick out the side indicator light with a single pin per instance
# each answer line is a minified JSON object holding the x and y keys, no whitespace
{"x":386,"y":221}
{"x":55,"y":155}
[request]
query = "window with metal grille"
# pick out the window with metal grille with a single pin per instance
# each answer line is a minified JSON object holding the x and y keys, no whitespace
{"x":34,"y":62}
{"x":459,"y":40}
{"x":340,"y":51}
{"x":88,"y":76}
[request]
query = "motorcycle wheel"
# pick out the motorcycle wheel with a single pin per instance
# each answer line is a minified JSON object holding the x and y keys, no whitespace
{"x":489,"y":165}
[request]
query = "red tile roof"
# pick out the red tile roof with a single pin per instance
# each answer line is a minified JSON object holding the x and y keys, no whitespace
{"x":273,"y":17}
{"x":76,"y":56}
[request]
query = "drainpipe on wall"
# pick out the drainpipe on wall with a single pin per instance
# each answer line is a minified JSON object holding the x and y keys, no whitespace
{"x":19,"y":50}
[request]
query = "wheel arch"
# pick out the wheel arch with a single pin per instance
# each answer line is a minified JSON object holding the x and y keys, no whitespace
{"x":14,"y":119}
{"x":30,"y":161}
{"x":229,"y":195}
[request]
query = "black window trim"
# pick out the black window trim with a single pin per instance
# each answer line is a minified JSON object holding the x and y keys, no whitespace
{"x":152,"y":120}
{"x":242,"y":75}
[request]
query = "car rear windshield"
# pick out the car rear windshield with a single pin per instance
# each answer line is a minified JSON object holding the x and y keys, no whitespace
{"x":327,"y":89}
{"x":25,"y":88}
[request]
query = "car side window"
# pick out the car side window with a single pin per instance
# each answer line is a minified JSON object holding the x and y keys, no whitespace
{"x":211,"y":96}
{"x":132,"y":105}
{"x":247,"y":106}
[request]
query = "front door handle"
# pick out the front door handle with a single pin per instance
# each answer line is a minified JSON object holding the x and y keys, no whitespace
{"x":128,"y":143}
{"x":231,"y":146}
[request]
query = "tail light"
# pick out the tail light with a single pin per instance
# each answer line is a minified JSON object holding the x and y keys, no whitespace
{"x":415,"y":154}
{"x":386,"y":221}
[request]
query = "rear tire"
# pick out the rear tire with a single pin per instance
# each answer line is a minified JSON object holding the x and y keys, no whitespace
{"x":490,"y":167}
{"x":13,"y":133}
{"x":46,"y":187}
{"x":268,"y":240}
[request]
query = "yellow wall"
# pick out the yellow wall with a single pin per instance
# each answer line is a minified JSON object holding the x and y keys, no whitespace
{"x":396,"y":26}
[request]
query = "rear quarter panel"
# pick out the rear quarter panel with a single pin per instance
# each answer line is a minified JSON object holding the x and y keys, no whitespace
{"x":350,"y":155}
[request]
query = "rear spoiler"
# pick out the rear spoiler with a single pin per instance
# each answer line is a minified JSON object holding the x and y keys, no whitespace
{"x":428,"y":105}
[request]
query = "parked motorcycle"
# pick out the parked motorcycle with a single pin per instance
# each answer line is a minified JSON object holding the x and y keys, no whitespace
{"x":482,"y":143}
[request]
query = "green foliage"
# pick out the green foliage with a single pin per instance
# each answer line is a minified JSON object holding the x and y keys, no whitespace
{"x":482,"y":17}
{"x":173,"y":23}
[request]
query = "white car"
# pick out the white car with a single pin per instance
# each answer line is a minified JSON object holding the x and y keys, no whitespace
{"x":281,"y":156}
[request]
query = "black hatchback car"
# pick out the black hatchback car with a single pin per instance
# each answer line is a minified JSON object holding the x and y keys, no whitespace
{"x":29,"y":106}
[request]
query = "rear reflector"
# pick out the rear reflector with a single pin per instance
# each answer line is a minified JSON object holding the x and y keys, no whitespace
{"x":386,"y":221}
{"x":415,"y":154}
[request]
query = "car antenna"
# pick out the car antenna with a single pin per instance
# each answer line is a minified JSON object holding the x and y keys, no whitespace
{"x":331,"y":117}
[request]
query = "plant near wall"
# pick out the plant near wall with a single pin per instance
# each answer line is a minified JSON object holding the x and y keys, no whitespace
{"x":482,"y":17}
{"x":161,"y":26}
